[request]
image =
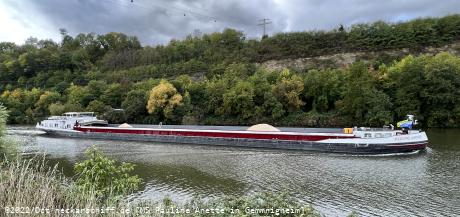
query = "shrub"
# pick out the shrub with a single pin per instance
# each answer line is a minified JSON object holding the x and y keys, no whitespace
{"x":101,"y":174}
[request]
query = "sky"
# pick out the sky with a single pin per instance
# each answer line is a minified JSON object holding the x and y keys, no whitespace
{"x":158,"y":21}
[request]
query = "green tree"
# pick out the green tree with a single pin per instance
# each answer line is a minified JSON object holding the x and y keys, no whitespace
{"x":113,"y":95}
{"x":265,"y":101}
{"x":45,"y":100}
{"x":79,"y":95}
{"x":98,"y":107}
{"x":59,"y":108}
{"x":61,"y":87}
{"x":323,"y":88}
{"x":214,"y":92}
{"x":405,"y":83}
{"x":134,"y":105}
{"x":362,"y":102}
{"x":115,"y":116}
{"x":56,"y":108}
{"x":182,"y":83}
{"x":441,"y":92}
{"x":240,"y":71}
{"x":103,"y":176}
{"x":288,"y":90}
{"x":239,"y":100}
{"x":95,"y":90}
{"x":272,"y":107}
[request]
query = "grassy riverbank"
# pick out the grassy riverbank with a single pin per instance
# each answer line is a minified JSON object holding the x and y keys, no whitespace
{"x":30,"y":184}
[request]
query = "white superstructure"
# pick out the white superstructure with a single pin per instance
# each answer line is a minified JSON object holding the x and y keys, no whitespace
{"x":68,"y":120}
{"x":363,"y":137}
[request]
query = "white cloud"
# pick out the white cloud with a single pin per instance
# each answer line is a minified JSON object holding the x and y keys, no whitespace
{"x":326,"y":14}
{"x":158,"y":21}
{"x":18,"y":24}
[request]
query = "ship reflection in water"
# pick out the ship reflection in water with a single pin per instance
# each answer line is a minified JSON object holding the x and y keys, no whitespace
{"x":420,"y":184}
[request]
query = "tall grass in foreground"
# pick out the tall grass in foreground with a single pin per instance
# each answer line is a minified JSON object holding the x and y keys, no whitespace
{"x":32,"y":186}
{"x":32,"y":183}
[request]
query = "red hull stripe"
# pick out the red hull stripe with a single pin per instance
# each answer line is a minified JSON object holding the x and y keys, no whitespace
{"x":227,"y":134}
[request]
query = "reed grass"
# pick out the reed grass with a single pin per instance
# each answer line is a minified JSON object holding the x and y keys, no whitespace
{"x":32,"y":186}
{"x":32,"y":183}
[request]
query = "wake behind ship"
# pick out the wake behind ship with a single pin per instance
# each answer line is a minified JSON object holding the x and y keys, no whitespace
{"x":351,"y":140}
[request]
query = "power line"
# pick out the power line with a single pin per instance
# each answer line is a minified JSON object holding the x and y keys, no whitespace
{"x":264,"y":22}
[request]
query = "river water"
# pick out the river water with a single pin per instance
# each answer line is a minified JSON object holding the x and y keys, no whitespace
{"x":417,"y":184}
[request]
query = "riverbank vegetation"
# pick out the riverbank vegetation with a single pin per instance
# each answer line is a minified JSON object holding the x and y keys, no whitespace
{"x":30,"y":187}
{"x":7,"y":147}
{"x":217,"y":78}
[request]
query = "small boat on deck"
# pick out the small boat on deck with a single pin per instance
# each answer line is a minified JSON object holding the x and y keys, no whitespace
{"x":351,"y":140}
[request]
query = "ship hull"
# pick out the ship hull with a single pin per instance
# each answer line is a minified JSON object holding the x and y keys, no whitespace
{"x":323,"y":142}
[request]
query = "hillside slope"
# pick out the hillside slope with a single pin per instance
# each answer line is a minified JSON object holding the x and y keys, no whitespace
{"x":345,"y":59}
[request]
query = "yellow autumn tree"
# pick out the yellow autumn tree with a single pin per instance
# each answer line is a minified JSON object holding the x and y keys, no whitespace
{"x":163,"y":99}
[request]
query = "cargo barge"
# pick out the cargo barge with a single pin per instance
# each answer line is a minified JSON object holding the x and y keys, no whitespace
{"x":350,"y":140}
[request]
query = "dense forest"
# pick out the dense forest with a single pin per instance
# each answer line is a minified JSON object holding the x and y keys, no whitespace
{"x":218,"y":79}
